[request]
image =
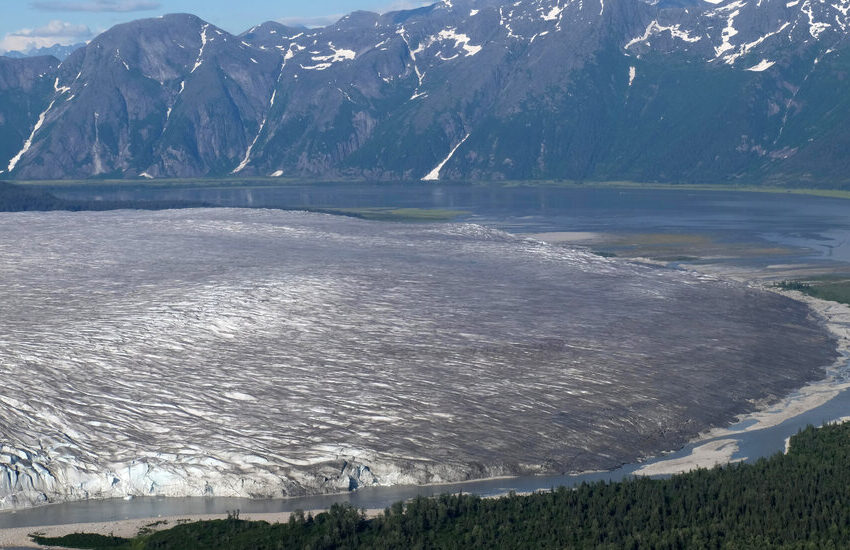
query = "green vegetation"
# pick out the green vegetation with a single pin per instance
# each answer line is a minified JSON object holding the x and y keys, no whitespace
{"x":83,"y":540}
{"x":825,"y":288}
{"x":795,"y":500}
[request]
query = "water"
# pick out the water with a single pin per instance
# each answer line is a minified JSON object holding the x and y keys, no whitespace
{"x":819,"y":227}
{"x":814,"y":225}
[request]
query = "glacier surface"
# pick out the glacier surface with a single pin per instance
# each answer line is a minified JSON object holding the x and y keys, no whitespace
{"x":264,"y":353}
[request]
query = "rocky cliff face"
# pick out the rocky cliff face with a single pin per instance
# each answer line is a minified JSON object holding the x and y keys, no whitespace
{"x":585,"y":89}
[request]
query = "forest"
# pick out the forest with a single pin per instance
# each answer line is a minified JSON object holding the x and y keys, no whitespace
{"x":796,"y":500}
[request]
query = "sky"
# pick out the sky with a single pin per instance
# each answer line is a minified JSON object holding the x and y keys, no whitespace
{"x":42,"y":23}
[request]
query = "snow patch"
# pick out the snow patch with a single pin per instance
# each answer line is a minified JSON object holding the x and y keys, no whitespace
{"x":434,"y":174}
{"x":277,"y":173}
{"x":39,"y":123}
{"x":505,"y":22}
{"x":61,"y":89}
{"x":317,"y":67}
{"x":340,"y":54}
{"x":553,"y":14}
{"x":121,"y":59}
{"x":533,"y":38}
{"x":325,"y":61}
{"x":726,"y":35}
{"x":401,"y":32}
{"x":199,"y":60}
{"x":744,"y":49}
{"x":762,"y":65}
{"x":815,"y":28}
{"x":145,"y":175}
{"x":632,"y":74}
{"x":473,"y":13}
{"x":247,"y":158}
{"x":460,"y":39}
{"x":656,"y":28}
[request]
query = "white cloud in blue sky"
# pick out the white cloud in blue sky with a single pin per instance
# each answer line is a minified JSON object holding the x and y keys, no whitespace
{"x":54,"y":32}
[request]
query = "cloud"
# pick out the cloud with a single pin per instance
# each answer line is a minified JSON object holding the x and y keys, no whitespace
{"x":55,"y":32}
{"x":96,"y":5}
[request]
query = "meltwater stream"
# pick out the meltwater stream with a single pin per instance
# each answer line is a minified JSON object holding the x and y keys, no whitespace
{"x":259,"y":353}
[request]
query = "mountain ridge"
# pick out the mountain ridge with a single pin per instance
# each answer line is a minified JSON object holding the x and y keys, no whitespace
{"x":742,"y":90}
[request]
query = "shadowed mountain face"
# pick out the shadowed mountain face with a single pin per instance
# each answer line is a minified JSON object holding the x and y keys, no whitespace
{"x":588,"y":89}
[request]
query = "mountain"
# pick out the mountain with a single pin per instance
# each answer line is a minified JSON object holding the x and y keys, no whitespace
{"x":58,"y":51}
{"x":678,"y":90}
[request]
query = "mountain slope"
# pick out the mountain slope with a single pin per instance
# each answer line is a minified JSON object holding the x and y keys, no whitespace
{"x":58,"y":51}
{"x":584,"y":89}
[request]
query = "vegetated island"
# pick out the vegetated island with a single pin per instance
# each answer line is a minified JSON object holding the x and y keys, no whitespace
{"x":794,"y":500}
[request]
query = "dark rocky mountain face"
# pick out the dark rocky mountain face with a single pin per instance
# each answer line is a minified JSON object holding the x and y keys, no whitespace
{"x":26,"y":87}
{"x":752,"y":90}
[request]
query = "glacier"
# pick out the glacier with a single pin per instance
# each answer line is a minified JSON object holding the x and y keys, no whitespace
{"x":263,"y":353}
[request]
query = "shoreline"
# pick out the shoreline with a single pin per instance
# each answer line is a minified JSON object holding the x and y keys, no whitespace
{"x":717,"y":446}
{"x":128,"y":528}
{"x":269,"y":181}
